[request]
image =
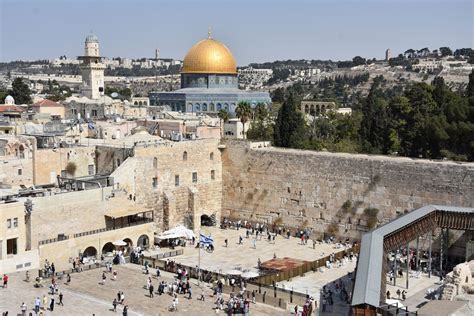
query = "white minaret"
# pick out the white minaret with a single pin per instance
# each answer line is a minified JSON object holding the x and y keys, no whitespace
{"x":157,"y":54}
{"x":92,"y":69}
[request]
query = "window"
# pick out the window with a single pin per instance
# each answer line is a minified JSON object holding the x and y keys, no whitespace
{"x":11,"y":246}
{"x":9,"y":223}
{"x":213,"y":174}
{"x":211,"y":156}
{"x":195,"y":177}
{"x":155,"y":162}
{"x":91,"y":169}
{"x":63,"y":173}
{"x":94,"y":113}
{"x":20,"y":172}
{"x":185,"y":156}
{"x":155,"y":182}
{"x":74,"y":112}
{"x":15,"y":222}
{"x":176,"y":180}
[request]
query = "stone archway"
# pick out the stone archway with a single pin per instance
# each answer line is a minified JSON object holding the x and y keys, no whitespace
{"x":143,"y":242}
{"x":129,"y":242}
{"x":90,"y":252}
{"x":107,"y":248}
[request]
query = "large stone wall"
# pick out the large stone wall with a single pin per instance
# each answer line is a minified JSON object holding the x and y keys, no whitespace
{"x":307,"y":188}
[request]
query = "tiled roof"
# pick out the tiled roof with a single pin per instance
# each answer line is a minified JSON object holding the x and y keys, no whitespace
{"x":46,"y":103}
{"x":11,"y":108}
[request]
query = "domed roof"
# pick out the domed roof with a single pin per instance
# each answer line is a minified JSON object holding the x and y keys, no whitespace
{"x":209,"y":56}
{"x":9,"y":100}
{"x":92,"y":38}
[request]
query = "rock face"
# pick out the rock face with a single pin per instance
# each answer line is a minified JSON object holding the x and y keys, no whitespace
{"x":335,"y":192}
{"x":459,"y":281}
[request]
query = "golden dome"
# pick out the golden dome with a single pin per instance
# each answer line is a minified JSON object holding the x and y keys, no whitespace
{"x":211,"y":57}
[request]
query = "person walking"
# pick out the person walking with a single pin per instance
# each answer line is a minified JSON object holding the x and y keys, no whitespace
{"x":114,"y":304}
{"x":5,"y":281}
{"x":45,"y":302}
{"x":226,"y":241}
{"x":68,"y":279}
{"x":190,"y":292}
{"x":61,"y":299}
{"x":37,"y":305}
{"x":255,"y":243}
{"x":150,"y":290}
{"x":125,"y":310}
{"x":103,"y":278}
{"x":158,"y":272}
{"x":51,"y":303}
{"x":114,"y":275}
{"x":23,"y":309}
{"x":53,"y":269}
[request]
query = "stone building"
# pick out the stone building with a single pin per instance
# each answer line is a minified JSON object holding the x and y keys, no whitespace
{"x":317,"y":108}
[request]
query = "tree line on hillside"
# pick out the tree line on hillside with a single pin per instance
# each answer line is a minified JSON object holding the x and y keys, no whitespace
{"x":421,"y":120}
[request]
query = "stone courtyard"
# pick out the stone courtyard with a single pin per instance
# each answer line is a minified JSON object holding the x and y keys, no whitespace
{"x":85,"y":296}
{"x":245,"y":257}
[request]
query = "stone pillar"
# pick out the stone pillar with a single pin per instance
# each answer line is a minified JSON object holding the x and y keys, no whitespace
{"x":194,"y":207}
{"x":169,"y":209}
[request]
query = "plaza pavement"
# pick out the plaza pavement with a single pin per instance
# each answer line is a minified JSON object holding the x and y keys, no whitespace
{"x":85,"y":296}
{"x":244,"y":256}
{"x":417,"y":287}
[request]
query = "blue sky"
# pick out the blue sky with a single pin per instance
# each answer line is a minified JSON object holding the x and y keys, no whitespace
{"x":255,"y":30}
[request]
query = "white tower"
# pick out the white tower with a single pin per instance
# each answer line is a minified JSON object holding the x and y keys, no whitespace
{"x":92,"y":69}
{"x":157,"y":54}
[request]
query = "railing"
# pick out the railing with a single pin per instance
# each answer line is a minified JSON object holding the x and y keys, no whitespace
{"x":93,"y":232}
{"x":51,"y":240}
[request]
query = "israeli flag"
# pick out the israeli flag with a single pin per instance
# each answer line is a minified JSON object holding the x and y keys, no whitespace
{"x":206,"y":240}
{"x":91,"y":126}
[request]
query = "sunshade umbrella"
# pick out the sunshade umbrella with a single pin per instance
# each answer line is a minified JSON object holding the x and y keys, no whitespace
{"x":249,"y":275}
{"x":233,"y":272}
{"x":119,"y":243}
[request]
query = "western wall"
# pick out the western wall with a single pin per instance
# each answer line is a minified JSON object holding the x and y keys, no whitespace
{"x":334,"y":192}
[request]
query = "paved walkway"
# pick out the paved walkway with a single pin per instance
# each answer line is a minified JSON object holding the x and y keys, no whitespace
{"x":85,"y":296}
{"x":245,"y":256}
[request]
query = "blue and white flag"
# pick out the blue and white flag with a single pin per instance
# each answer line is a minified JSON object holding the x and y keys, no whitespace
{"x":91,"y":126}
{"x":206,"y":240}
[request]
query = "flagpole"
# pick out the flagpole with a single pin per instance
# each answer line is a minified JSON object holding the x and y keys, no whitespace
{"x":199,"y":260}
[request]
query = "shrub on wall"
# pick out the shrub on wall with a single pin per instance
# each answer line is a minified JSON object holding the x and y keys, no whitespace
{"x":71,"y":168}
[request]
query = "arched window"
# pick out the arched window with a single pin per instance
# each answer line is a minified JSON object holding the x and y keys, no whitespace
{"x":136,"y":103}
{"x":198,"y":107}
{"x":211,"y":156}
{"x":219,"y":107}
{"x":212,"y":108}
{"x":204,"y":107}
{"x":185,"y":156}
{"x":155,"y":162}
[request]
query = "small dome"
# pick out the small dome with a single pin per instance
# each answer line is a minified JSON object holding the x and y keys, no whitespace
{"x":209,"y":57}
{"x":92,"y":38}
{"x":9,"y":100}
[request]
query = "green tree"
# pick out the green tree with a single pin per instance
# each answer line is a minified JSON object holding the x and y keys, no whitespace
{"x":262,"y":127}
{"x":445,"y":51}
{"x":224,"y":115}
{"x":289,"y":126}
{"x":243,"y":112}
{"x":278,"y":95}
{"x":20,"y":91}
{"x":470,"y":85}
{"x":375,"y":122}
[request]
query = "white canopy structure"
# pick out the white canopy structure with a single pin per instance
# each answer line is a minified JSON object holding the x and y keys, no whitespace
{"x":177,"y":232}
